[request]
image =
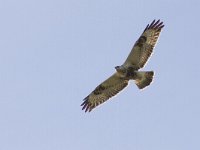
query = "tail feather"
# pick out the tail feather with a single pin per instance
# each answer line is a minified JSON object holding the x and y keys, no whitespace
{"x":144,"y":78}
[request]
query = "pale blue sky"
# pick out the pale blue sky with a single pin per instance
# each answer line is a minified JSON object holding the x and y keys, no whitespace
{"x":53,"y":53}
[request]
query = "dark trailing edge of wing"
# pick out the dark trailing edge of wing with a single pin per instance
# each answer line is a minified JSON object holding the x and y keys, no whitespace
{"x":155,"y":25}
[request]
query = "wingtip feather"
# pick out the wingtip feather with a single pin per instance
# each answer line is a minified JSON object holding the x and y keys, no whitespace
{"x":157,"y":25}
{"x":85,"y":105}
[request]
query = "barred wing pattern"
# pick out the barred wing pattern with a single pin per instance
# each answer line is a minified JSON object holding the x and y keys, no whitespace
{"x":104,"y":91}
{"x":143,"y":47}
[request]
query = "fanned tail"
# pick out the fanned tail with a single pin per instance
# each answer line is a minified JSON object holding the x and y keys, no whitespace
{"x":144,"y":78}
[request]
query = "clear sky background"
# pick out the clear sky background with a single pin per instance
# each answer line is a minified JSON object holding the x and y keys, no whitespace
{"x":53,"y":53}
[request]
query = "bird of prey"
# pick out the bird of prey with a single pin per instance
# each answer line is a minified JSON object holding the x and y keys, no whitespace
{"x":137,"y":58}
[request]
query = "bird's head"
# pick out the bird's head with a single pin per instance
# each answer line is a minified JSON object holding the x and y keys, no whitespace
{"x":120,"y":69}
{"x":117,"y":67}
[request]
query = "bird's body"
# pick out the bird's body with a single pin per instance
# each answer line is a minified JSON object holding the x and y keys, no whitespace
{"x":137,"y":58}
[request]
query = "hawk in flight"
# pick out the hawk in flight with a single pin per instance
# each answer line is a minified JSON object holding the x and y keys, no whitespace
{"x":137,"y":58}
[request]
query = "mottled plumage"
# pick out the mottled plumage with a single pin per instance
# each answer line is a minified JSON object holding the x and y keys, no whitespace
{"x":137,"y":58}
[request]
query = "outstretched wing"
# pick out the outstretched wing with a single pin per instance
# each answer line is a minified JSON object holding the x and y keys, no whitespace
{"x":143,"y":47}
{"x":104,"y":91}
